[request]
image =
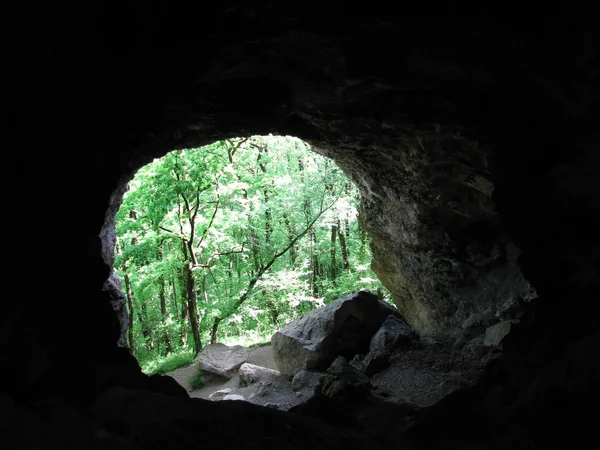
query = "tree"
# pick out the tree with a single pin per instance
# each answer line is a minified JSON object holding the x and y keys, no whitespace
{"x":232,"y":238}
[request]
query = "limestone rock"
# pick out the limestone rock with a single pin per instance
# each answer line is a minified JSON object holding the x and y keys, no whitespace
{"x":234,"y":397}
{"x":393,"y":332}
{"x":251,"y":373}
{"x":344,"y":327}
{"x":371,"y":363}
{"x":306,"y":380}
{"x":496,"y":333}
{"x":218,"y":395}
{"x":342,"y":378}
{"x":221,"y":359}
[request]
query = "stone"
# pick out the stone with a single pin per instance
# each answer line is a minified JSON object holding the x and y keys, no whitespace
{"x":251,"y":373}
{"x":344,"y":327}
{"x":263,"y":388}
{"x":221,"y":359}
{"x":340,"y":368}
{"x":341,"y":379}
{"x":393,"y":332}
{"x":307,"y":380}
{"x":218,"y":395}
{"x":234,"y":397}
{"x":371,"y":363}
{"x":496,"y":333}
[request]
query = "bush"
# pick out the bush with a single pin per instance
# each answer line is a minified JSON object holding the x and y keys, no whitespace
{"x":197,"y":380}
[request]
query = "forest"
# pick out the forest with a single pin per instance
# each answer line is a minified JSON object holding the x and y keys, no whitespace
{"x":228,"y":242}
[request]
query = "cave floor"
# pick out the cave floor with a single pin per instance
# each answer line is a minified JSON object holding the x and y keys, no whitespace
{"x":420,"y":375}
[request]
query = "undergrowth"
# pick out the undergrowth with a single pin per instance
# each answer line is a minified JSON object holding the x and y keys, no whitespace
{"x":197,"y":380}
{"x":165,"y":364}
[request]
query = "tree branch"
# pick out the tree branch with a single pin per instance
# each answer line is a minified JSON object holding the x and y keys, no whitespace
{"x":235,"y":148}
{"x":277,"y":255}
{"x":174,"y":233}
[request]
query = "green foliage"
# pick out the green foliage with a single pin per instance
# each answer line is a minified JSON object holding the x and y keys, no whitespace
{"x":265,"y":218}
{"x":164,"y":364}
{"x":197,"y":380}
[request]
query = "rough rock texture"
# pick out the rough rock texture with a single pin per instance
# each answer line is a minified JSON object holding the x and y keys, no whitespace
{"x":344,"y":327}
{"x":113,"y":285}
{"x":393,"y":333}
{"x":495,"y":333}
{"x":343,"y":380}
{"x":308,"y":381}
{"x":220,"y":394}
{"x":251,"y":373}
{"x":425,"y":112}
{"x":221,"y":359}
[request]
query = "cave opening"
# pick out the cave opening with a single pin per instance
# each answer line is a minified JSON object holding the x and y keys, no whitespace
{"x":174,"y":305}
{"x":229,"y":242}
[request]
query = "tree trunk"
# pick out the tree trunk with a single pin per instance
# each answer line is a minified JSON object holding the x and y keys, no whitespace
{"x":184,"y":324}
{"x":163,"y":310}
{"x":146,"y":330}
{"x":214,"y":335}
{"x":192,"y":314}
{"x":266,"y":196}
{"x":268,"y":218}
{"x":184,"y":311}
{"x":272,"y":307}
{"x":129,"y":295}
{"x":314,"y":263}
{"x":333,"y":261}
{"x":343,"y":247}
{"x":291,"y":233}
{"x":163,"y":304}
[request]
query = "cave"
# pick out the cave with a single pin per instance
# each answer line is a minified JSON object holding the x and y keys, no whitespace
{"x":472,"y":137}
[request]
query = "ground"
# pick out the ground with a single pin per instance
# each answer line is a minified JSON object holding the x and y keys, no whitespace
{"x":420,"y":375}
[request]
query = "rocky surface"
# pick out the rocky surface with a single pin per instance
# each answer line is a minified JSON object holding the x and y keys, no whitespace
{"x":473,"y":138}
{"x":222,"y":360}
{"x":251,"y":373}
{"x":419,"y":373}
{"x":344,"y":327}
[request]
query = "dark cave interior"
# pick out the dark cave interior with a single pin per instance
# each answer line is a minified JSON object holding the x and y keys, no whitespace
{"x":472,"y":138}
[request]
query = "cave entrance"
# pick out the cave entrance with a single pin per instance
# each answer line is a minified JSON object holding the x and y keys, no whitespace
{"x":437,"y":244}
{"x":228,"y":242}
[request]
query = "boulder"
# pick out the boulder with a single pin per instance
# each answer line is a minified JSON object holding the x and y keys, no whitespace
{"x":234,"y":397}
{"x":393,"y":332}
{"x":344,"y":327}
{"x":341,"y":378}
{"x":371,"y":363}
{"x":496,"y":333}
{"x":251,"y":373}
{"x":221,"y":359}
{"x":305,"y":380}
{"x":218,"y":395}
